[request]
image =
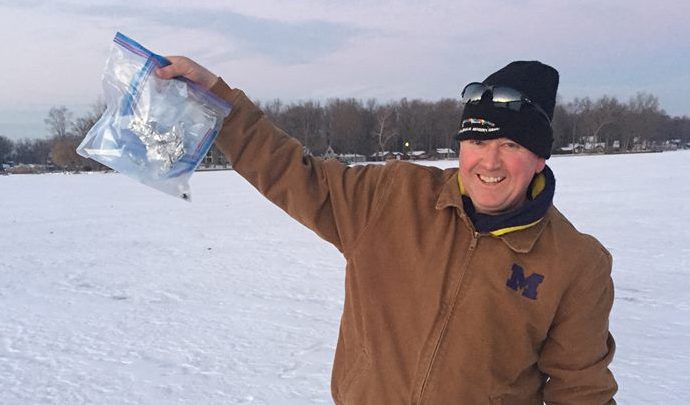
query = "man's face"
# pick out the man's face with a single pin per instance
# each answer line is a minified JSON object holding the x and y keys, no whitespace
{"x":496,"y":173}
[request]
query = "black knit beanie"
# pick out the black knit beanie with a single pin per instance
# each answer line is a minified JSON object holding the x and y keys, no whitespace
{"x":535,"y":80}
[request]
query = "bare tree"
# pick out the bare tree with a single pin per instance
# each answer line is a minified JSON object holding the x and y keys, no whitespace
{"x":304,"y":120}
{"x":562,"y":125}
{"x":64,"y":155}
{"x":272,"y":109}
{"x":58,"y":121}
{"x":443,"y":123}
{"x":6,"y":149}
{"x":82,"y":125}
{"x":679,"y":128}
{"x":23,"y":151}
{"x":347,"y":126}
{"x":607,"y":112}
{"x":33,"y":151}
{"x":385,"y":129}
{"x":644,"y":120}
{"x":578,"y":108}
{"x":67,"y":134}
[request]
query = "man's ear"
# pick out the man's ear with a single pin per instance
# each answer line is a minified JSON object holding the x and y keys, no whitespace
{"x":541,"y":163}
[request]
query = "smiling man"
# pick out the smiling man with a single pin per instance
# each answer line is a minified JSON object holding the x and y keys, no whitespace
{"x":505,"y":138}
{"x":496,"y":173}
{"x":463,"y":286}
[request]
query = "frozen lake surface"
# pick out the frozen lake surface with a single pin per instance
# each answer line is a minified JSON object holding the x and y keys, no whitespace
{"x":113,"y":293}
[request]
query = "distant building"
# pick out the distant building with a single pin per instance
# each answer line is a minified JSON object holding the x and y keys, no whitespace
{"x":419,"y":155}
{"x":329,"y":153}
{"x":214,"y":159}
{"x":387,"y":155}
{"x":444,"y":153}
{"x":587,"y":147}
{"x":349,"y":158}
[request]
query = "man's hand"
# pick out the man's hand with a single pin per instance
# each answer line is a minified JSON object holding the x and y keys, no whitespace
{"x":185,"y":67}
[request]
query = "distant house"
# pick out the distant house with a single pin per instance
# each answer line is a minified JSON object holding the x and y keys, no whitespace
{"x":589,"y":147}
{"x":349,"y":158}
{"x":672,"y":144}
{"x":419,"y":155}
{"x":378,"y":156}
{"x":214,"y":159}
{"x":387,"y":155}
{"x":571,"y":148}
{"x":444,"y":153}
{"x":329,"y":153}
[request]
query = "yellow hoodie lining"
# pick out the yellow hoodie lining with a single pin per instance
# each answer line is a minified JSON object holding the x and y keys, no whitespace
{"x":536,"y":187}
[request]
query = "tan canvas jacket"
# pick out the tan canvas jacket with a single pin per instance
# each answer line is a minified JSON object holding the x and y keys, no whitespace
{"x":434,"y":312}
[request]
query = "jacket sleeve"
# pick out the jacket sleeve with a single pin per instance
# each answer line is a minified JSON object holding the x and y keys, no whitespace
{"x":579,"y":347}
{"x":334,"y":200}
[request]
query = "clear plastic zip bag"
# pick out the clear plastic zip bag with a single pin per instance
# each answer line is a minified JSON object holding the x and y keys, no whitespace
{"x":154,"y":130}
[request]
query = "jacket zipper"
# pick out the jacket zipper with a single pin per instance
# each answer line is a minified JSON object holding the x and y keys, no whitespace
{"x":470,"y":251}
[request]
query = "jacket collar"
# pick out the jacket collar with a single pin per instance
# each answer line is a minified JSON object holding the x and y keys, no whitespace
{"x":521,"y":241}
{"x":450,"y":192}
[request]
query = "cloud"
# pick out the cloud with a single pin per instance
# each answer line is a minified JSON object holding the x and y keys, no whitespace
{"x":376,"y":48}
{"x":285,"y":42}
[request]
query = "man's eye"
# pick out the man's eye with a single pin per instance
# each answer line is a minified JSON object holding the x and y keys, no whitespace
{"x":476,"y":142}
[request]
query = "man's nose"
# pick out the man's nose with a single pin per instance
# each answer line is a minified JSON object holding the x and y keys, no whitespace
{"x":492,"y":157}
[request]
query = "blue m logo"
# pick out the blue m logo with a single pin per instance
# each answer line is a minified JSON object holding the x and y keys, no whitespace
{"x":528,"y":285}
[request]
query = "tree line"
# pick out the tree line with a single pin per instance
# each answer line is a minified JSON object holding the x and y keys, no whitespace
{"x":366,"y":127}
{"x":353,"y":126}
{"x":59,"y":149}
{"x":612,"y":125}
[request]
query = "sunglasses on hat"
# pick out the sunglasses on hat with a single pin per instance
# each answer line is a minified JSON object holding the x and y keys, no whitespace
{"x":501,"y":96}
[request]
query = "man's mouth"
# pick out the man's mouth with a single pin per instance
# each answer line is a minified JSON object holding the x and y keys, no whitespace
{"x":490,"y":179}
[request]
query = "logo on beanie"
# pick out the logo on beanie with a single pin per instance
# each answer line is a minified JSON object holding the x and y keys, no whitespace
{"x":477,"y":125}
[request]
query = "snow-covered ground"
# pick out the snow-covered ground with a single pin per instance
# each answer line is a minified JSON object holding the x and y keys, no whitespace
{"x":113,"y":293}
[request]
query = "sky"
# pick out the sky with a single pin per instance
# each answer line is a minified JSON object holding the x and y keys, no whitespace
{"x":53,"y":52}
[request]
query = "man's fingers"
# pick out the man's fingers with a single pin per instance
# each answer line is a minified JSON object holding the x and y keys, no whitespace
{"x":179,"y":66}
{"x":166,"y":72}
{"x":185,"y":67}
